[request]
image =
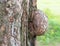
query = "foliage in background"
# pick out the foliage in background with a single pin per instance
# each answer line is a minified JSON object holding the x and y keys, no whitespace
{"x":52,"y":10}
{"x":52,"y":36}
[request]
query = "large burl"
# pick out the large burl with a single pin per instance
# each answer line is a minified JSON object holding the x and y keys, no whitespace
{"x":39,"y":23}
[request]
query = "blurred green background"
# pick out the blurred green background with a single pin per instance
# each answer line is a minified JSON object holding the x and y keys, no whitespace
{"x":52,"y":10}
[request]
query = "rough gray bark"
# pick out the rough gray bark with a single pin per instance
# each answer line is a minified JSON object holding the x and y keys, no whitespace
{"x":14,"y":22}
{"x":32,"y":9}
{"x":11,"y":22}
{"x":25,"y":6}
{"x":10,"y":26}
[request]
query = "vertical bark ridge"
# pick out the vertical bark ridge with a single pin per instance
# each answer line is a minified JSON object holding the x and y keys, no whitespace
{"x":32,"y":9}
{"x":13,"y":9}
{"x":25,"y":6}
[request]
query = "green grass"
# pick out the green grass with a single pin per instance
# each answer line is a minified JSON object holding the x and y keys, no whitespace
{"x":52,"y":10}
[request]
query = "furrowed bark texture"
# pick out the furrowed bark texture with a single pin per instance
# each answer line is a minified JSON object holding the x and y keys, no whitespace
{"x":24,"y":24}
{"x":32,"y":9}
{"x":14,"y":16}
{"x":14,"y":22}
{"x":11,"y":22}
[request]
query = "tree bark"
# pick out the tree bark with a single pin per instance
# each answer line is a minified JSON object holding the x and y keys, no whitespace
{"x":24,"y":24}
{"x":11,"y":22}
{"x":32,"y":9}
{"x":14,"y":18}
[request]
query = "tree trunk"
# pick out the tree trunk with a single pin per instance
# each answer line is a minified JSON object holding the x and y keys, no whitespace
{"x":10,"y":22}
{"x":14,"y":22}
{"x":32,"y":9}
